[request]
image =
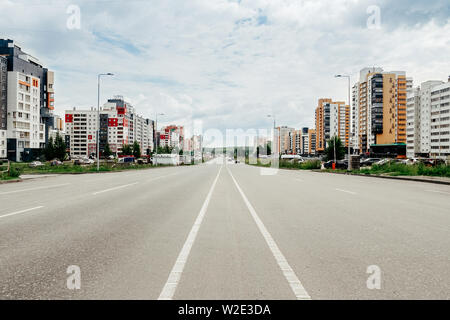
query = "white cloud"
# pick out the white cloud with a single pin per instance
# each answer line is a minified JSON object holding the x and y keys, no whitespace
{"x":228,"y":63}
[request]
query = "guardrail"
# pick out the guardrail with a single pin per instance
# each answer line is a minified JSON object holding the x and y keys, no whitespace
{"x":7,"y":170}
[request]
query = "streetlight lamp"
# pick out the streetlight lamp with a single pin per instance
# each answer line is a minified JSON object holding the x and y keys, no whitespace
{"x":156,"y":139}
{"x":274,"y":145}
{"x":349,"y":116}
{"x":98,"y":117}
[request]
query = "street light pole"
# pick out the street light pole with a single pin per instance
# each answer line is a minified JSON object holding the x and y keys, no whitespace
{"x":349,"y":116}
{"x":156,"y":138}
{"x":98,"y":116}
{"x":274,"y":135}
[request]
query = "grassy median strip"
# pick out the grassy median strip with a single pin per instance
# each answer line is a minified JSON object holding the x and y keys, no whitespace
{"x":390,"y":169}
{"x":24,"y":168}
{"x":399,"y":169}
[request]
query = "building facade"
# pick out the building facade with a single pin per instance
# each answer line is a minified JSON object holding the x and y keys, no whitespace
{"x":440,"y":121}
{"x":20,"y":61}
{"x":379,"y":100}
{"x":119,"y":125}
{"x":3,"y":106}
{"x":26,"y":133}
{"x":332,"y":119}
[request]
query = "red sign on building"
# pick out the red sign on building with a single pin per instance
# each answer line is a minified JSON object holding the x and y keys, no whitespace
{"x":69,"y":118}
{"x":113,"y":122}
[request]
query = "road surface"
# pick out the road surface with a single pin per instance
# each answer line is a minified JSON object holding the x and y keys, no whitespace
{"x":224,"y":231}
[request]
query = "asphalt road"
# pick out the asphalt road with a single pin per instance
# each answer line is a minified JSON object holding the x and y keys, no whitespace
{"x":216,"y":231}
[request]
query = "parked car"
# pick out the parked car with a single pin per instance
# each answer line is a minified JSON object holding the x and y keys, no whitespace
{"x":340,"y":164}
{"x":126,"y":160}
{"x":382,"y":162}
{"x":368,"y":161}
{"x":35,"y":164}
{"x":55,"y":162}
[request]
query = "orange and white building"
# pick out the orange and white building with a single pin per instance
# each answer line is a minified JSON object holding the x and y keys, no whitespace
{"x":380,"y":108}
{"x":332,"y":119}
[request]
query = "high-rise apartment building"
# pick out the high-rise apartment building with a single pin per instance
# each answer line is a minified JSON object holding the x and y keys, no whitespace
{"x":440,"y":121}
{"x":119,"y":125}
{"x":419,"y":119}
{"x":380,"y":105}
{"x":286,"y":140}
{"x":26,"y":133}
{"x":3,"y":106}
{"x":332,"y":119}
{"x":22,"y":62}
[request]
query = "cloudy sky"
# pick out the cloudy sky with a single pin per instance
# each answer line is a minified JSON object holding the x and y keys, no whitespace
{"x":228,"y":63}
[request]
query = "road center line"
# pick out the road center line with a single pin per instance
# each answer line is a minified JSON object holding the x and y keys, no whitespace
{"x":115,"y":188}
{"x":437,"y":191}
{"x":346,"y":191}
{"x":19,"y":212}
{"x":168,"y":291}
{"x":288,"y":273}
{"x":37,"y":188}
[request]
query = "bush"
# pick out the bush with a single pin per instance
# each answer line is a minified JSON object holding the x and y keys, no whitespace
{"x":14,"y":172}
{"x":400,"y":169}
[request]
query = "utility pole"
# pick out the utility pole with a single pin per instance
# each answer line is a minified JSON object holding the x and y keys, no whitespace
{"x":349,"y":117}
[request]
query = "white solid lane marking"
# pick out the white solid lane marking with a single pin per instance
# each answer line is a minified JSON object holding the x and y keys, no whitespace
{"x":346,"y":191}
{"x":115,"y":188}
{"x":168,"y":291}
{"x":437,"y":191}
{"x":288,"y":273}
{"x":37,"y":188}
{"x":19,"y":212}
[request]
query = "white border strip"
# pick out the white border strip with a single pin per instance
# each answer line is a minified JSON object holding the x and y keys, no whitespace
{"x":289,"y":274}
{"x":168,"y":291}
{"x":19,"y":212}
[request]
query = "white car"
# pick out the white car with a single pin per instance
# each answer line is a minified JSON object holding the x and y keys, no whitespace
{"x":35,"y":164}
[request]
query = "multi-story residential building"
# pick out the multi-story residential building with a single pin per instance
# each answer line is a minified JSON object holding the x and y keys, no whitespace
{"x":286,"y":140}
{"x":440,"y":121}
{"x":332,"y":119}
{"x":419,"y":119}
{"x":20,"y":61}
{"x":115,"y":121}
{"x":3,"y":106}
{"x":380,"y":102}
{"x":355,"y":117}
{"x":312,"y":141}
{"x":413,"y":123}
{"x":172,"y":136}
{"x":26,"y":133}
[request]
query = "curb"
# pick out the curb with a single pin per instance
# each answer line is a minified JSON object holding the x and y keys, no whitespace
{"x":401,"y":178}
{"x":11,"y":181}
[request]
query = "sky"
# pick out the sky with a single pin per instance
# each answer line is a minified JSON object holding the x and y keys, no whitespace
{"x":226,"y":63}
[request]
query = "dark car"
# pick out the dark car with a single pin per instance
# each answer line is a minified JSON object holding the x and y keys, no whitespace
{"x":340,"y":164}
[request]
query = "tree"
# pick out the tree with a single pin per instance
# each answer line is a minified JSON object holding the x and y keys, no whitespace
{"x":181,"y":152}
{"x":136,"y":150}
{"x":126,"y":150}
{"x":49,"y":151}
{"x":107,"y":152}
{"x":340,"y":149}
{"x":59,"y":148}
